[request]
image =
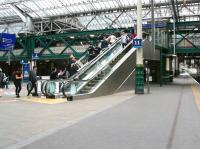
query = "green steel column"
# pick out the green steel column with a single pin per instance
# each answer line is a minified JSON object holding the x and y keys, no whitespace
{"x":139,"y":79}
{"x":139,"y":75}
{"x":30,"y":45}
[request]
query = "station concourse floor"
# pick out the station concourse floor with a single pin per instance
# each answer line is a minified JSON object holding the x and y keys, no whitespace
{"x":167,"y":118}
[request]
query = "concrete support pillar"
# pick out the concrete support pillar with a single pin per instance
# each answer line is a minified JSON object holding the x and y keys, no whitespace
{"x":139,"y":32}
{"x":139,"y":75}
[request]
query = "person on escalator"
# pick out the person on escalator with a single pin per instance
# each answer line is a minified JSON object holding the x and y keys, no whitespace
{"x":133,"y":34}
{"x":91,"y":53}
{"x":72,"y":65}
{"x":97,"y":50}
{"x":124,"y":39}
{"x":111,"y":39}
{"x":54,"y":74}
{"x":104,"y":43}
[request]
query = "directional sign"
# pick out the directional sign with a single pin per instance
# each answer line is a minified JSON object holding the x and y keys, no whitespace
{"x":137,"y":43}
{"x":7,"y":41}
{"x":36,"y":56}
{"x":26,"y":69}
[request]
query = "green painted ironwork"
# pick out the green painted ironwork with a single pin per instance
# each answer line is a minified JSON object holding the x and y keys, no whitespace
{"x":184,"y":50}
{"x":28,"y":44}
{"x":187,"y":37}
{"x":139,"y":79}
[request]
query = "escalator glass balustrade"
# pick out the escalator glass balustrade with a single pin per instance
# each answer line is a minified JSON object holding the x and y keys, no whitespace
{"x":94,"y":76}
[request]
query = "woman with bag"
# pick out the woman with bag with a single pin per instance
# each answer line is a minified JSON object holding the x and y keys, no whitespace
{"x":17,"y":82}
{"x":1,"y":82}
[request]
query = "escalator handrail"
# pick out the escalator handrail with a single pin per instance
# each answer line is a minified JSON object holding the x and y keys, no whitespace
{"x":106,"y":64}
{"x":83,"y":69}
{"x":70,"y":81}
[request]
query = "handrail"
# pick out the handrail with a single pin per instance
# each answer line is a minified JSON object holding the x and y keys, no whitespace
{"x":106,"y":64}
{"x":95,"y":59}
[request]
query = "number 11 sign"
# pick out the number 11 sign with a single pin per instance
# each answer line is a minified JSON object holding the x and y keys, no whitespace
{"x":137,"y":43}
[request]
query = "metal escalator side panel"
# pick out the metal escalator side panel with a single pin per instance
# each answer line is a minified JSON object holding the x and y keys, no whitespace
{"x":89,"y":64}
{"x":98,"y":65}
{"x":101,"y":64}
{"x":126,"y":65}
{"x":116,"y":76}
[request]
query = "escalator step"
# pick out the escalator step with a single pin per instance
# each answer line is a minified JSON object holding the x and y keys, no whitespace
{"x":91,"y":84}
{"x":83,"y":91}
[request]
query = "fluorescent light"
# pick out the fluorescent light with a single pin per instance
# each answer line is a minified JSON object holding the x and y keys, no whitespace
{"x":92,"y":35}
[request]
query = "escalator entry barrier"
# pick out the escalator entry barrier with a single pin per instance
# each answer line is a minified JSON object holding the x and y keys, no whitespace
{"x":73,"y":89}
{"x":39,"y":84}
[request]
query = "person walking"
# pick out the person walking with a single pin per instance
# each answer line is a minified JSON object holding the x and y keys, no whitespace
{"x":2,"y":86}
{"x":33,"y":79}
{"x":17,"y":82}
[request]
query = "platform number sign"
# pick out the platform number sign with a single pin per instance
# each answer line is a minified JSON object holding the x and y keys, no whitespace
{"x":137,"y":43}
{"x":36,"y":56}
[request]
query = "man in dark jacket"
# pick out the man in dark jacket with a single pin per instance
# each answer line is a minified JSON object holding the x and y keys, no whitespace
{"x":33,"y":79}
{"x":54,"y":74}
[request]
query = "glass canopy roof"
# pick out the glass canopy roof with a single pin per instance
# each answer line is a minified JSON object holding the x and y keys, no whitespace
{"x":98,"y":14}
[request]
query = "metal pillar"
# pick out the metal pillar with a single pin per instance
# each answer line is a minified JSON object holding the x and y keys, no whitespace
{"x":139,"y":75}
{"x":161,"y":68}
{"x":177,"y":66}
{"x":153,"y":25}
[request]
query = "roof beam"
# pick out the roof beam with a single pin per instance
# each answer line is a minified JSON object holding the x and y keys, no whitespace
{"x":174,"y":10}
{"x":19,"y":12}
{"x":110,"y":10}
{"x":25,"y":17}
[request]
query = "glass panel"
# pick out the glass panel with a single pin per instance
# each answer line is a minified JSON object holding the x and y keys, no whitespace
{"x":100,"y":67}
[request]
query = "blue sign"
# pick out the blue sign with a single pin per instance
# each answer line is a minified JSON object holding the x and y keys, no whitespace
{"x":36,"y":56}
{"x":26,"y":69}
{"x":7,"y":41}
{"x":137,"y":43}
{"x":157,"y":25}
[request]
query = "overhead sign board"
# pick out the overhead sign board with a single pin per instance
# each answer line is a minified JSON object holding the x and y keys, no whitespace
{"x":7,"y":41}
{"x":36,"y":56}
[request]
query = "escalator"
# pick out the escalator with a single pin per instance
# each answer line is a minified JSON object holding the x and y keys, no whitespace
{"x":105,"y":76}
{"x":49,"y":87}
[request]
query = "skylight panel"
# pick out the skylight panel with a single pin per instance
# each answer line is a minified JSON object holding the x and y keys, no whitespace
{"x":31,"y":5}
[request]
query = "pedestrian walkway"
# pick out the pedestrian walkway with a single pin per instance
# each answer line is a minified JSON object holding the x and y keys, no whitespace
{"x":167,"y":118}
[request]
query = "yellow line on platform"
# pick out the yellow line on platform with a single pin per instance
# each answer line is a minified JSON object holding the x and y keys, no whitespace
{"x":196,"y":94}
{"x":44,"y":100}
